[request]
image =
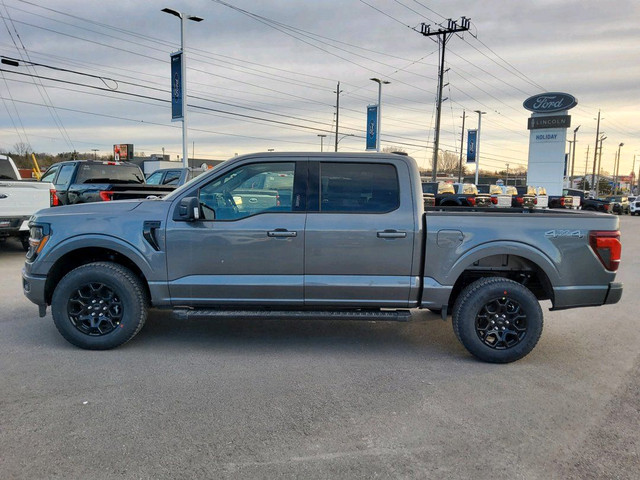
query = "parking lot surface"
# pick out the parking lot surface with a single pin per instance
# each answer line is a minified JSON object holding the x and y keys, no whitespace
{"x":320,"y":399}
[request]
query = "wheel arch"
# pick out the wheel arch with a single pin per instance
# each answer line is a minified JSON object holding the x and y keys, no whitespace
{"x":522,"y":263}
{"x":83,"y":250}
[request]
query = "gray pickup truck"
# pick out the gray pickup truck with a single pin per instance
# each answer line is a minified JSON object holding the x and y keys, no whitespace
{"x":345,"y":236}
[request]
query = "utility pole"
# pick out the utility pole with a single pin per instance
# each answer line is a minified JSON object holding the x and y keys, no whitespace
{"x":595,"y":153}
{"x":464,"y":114}
{"x":586,"y":165}
{"x":444,"y":34}
{"x":599,"y":155}
{"x":506,"y":178}
{"x":337,"y":92}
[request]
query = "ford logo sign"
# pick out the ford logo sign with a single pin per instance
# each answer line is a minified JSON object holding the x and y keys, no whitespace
{"x":550,"y":102}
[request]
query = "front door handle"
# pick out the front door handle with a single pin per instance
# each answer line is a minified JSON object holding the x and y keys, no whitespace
{"x":281,"y":232}
{"x":392,"y":234}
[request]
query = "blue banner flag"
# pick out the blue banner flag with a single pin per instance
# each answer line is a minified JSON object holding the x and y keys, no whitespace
{"x":472,"y":138}
{"x":372,"y":127}
{"x":176,"y":86}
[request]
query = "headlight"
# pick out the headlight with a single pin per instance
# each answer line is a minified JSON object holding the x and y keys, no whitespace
{"x":38,"y":238}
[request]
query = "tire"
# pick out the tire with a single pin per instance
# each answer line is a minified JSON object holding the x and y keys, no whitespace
{"x":516,"y":314}
{"x":24,"y":240}
{"x":121,"y":302}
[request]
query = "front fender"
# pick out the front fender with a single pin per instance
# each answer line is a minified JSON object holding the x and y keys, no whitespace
{"x":150,"y":262}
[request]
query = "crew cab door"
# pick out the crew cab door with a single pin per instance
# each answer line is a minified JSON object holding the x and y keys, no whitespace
{"x":247,"y":247}
{"x":360,"y":234}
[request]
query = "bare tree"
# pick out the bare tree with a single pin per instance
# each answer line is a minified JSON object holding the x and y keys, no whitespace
{"x":393,"y":149}
{"x":449,"y":162}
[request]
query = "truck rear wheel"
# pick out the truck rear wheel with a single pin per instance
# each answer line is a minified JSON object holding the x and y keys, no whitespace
{"x":497,"y":320}
{"x":99,"y":305}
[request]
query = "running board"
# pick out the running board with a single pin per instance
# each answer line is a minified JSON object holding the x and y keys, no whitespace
{"x":367,"y":315}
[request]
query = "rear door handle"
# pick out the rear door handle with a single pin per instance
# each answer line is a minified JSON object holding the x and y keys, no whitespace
{"x":281,"y":232}
{"x":392,"y":234}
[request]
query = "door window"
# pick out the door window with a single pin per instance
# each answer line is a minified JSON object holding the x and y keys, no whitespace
{"x":249,"y":190}
{"x":49,"y":174}
{"x":358,"y":188}
{"x":64,"y":178}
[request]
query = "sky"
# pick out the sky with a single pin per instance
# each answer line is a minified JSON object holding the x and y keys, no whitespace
{"x":263,"y":75}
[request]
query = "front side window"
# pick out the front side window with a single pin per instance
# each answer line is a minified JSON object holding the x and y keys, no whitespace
{"x":249,"y":190}
{"x":155,"y":178}
{"x":358,"y":188}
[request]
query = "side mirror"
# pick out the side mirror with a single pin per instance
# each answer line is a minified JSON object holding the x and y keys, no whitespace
{"x":188,"y":210}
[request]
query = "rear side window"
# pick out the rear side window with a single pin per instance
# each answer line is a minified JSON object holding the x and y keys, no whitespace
{"x":65,"y":175}
{"x":358,"y":188}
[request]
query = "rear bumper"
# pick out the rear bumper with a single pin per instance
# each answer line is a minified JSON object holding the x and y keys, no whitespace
{"x":614,"y":294}
{"x":586,"y":296}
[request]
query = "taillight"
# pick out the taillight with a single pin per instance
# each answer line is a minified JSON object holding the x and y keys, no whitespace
{"x":106,"y":195}
{"x":562,"y":202}
{"x":607,"y":247}
{"x":54,"y":201}
{"x":520,"y":200}
{"x":606,"y":208}
{"x":277,"y":200}
{"x":472,"y":201}
{"x":535,"y":201}
{"x":494,"y":200}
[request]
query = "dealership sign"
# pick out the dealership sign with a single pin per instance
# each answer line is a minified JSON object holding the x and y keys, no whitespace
{"x":550,"y":102}
{"x":553,"y":121}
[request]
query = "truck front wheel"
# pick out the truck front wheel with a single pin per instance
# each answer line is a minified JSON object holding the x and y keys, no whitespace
{"x":497,"y":320}
{"x":99,"y":305}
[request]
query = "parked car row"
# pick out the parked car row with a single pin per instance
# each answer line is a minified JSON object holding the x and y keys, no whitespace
{"x":446,"y":194}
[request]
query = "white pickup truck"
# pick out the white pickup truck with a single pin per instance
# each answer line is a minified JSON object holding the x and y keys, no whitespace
{"x":19,"y":199}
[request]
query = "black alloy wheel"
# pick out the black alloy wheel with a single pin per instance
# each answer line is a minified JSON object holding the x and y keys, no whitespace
{"x":95,"y":309}
{"x":501,"y":323}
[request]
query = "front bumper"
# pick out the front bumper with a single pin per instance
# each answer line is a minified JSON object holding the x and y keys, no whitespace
{"x":33,"y":288}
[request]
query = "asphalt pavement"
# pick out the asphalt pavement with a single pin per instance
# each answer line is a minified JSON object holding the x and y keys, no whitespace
{"x":320,"y":399}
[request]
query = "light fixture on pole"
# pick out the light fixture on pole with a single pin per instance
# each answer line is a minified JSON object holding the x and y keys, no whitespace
{"x":183,"y":17}
{"x":480,"y":113}
{"x":94,"y":150}
{"x":379,"y":119}
{"x":322,"y":137}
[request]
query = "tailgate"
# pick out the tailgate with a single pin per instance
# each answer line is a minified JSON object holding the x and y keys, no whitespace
{"x":23,"y":199}
{"x":129,"y":192}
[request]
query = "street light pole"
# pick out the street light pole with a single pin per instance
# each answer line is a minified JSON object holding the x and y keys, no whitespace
{"x":573,"y":156}
{"x":617,"y":170}
{"x":506,"y":180}
{"x":480,"y":113}
{"x":94,"y":150}
{"x":379,"y":119}
{"x":321,"y":140}
{"x":183,"y":17}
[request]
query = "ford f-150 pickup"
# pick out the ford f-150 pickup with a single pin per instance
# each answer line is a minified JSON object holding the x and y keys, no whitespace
{"x":346,"y":237}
